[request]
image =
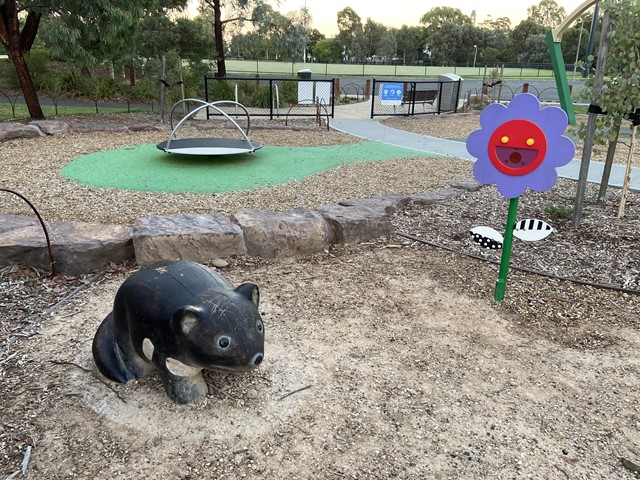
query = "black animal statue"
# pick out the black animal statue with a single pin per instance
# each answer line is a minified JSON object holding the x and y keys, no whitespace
{"x":179,"y":317}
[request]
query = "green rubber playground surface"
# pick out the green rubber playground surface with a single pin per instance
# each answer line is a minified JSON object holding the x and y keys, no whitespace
{"x":145,"y":168}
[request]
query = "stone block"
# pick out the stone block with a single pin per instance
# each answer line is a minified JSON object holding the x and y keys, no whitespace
{"x":442,"y":195}
{"x":355,"y":223}
{"x":89,"y":127}
{"x":467,"y":184}
{"x":77,"y":247}
{"x":272,"y":235}
{"x":12,"y":130}
{"x":390,"y":204}
{"x":51,"y":127}
{"x":199,"y":238}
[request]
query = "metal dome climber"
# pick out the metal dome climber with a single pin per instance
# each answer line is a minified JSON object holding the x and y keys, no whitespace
{"x":209,"y":146}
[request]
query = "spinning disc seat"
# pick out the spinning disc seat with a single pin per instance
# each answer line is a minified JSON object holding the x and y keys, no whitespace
{"x":208,"y":146}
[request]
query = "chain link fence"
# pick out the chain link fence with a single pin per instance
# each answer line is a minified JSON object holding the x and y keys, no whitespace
{"x":393,"y":97}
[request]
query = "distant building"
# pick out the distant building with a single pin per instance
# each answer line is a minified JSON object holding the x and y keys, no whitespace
{"x":473,"y":17}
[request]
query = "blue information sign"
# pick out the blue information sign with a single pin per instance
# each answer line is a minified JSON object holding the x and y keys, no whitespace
{"x":391,"y":93}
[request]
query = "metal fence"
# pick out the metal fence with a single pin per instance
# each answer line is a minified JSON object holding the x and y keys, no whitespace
{"x":274,"y":97}
{"x":392,"y":97}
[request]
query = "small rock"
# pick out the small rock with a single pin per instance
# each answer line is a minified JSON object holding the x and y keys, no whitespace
{"x":252,"y":393}
{"x":219,"y":263}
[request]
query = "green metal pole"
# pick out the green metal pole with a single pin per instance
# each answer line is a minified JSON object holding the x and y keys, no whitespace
{"x":501,"y":284}
{"x":560,"y":74}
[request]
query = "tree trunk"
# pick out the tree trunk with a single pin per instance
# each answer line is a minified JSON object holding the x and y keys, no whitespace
{"x":132,"y":73}
{"x":217,"y":31}
{"x":611,"y":151}
{"x":17,"y":43}
{"x":26,"y":84}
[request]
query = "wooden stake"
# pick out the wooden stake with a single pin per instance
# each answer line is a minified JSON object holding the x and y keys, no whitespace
{"x":627,"y":175}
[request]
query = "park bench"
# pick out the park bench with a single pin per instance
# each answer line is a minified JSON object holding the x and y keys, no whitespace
{"x":420,"y":96}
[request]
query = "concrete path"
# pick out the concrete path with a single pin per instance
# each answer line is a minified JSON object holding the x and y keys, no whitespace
{"x":355,"y":119}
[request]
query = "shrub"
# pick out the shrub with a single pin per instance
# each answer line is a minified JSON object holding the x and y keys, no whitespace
{"x":221,"y":90}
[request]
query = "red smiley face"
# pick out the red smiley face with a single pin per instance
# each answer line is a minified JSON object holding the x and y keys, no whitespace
{"x":517,"y":147}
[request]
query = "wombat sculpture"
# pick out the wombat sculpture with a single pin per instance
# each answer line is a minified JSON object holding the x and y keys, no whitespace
{"x":179,"y":317}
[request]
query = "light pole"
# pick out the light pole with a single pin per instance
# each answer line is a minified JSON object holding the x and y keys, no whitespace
{"x":575,"y":64}
{"x":304,"y":21}
{"x":475,"y":55}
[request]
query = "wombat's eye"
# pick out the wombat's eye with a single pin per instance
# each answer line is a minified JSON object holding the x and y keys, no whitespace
{"x":224,"y":342}
{"x":259,"y":325}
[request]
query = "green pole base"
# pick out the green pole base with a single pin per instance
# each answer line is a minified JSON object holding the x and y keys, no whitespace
{"x":501,"y":287}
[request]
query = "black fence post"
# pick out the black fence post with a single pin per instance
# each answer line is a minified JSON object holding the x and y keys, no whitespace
{"x":270,"y":99}
{"x":373,"y":97}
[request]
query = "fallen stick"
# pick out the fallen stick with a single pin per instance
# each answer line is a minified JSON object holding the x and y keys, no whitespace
{"x":295,"y":391}
{"x":25,"y":460}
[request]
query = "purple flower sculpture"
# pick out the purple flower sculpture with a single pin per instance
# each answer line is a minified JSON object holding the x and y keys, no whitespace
{"x":520,"y":146}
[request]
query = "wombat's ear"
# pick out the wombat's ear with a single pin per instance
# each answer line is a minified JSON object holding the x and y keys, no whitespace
{"x":249,"y":291}
{"x":184,"y":319}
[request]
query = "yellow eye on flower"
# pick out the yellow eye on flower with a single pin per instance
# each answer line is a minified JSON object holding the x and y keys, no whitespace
{"x":530,"y":142}
{"x":504,"y":139}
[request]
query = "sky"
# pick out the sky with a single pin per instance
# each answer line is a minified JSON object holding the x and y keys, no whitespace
{"x":408,"y":12}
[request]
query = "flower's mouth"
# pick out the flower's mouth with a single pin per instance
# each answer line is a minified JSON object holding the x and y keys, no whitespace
{"x":516,"y":157}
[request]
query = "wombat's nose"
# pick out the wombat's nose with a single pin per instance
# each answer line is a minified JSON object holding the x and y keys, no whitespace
{"x":257,"y":359}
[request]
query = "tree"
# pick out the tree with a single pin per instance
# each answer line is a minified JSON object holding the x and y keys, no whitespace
{"x":159,"y":36}
{"x":387,"y":47}
{"x":437,"y":17}
{"x":620,"y":94}
{"x":373,"y":32}
{"x":18,"y":42}
{"x":86,"y":32}
{"x":349,"y":24}
{"x":519,"y":36}
{"x":410,"y":43}
{"x":313,"y":37}
{"x":496,"y":32}
{"x":235,"y":11}
{"x":574,"y":37}
{"x":547,"y":13}
{"x":327,"y":51}
{"x":445,"y":43}
{"x":536,"y":50}
{"x":192,"y":39}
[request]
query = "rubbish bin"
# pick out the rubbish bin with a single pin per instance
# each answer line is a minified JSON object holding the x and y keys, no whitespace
{"x":450,"y":88}
{"x":305,"y":88}
{"x":304,"y":74}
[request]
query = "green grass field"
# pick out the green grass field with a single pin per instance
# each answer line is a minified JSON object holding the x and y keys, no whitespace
{"x":21,"y":112}
{"x":340,"y":69}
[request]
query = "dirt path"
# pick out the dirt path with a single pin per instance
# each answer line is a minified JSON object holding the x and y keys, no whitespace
{"x":389,"y":374}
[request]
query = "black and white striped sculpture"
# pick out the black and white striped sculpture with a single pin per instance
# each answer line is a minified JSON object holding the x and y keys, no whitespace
{"x":528,"y":230}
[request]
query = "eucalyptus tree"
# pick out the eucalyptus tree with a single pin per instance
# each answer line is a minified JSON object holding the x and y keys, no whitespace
{"x":445,"y":43}
{"x":547,"y":13}
{"x":445,"y":31}
{"x":235,"y":11}
{"x":437,"y":17}
{"x":519,"y":35}
{"x":410,"y":43}
{"x":373,"y":32}
{"x":536,"y":50}
{"x":350,"y":32}
{"x":387,"y":47}
{"x":327,"y":51}
{"x":84,"y":32}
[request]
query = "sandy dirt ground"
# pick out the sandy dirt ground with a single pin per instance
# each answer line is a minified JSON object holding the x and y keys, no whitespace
{"x":383,"y":360}
{"x":374,"y":368}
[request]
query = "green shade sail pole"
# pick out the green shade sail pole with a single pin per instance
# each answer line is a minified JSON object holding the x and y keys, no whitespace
{"x":501,"y":283}
{"x":560,"y":74}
